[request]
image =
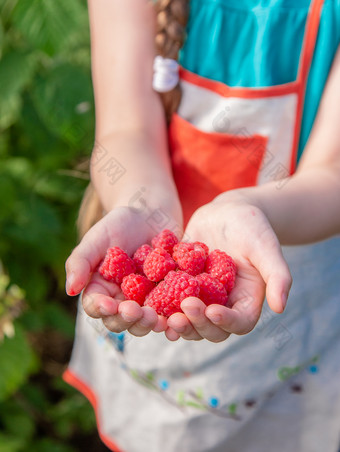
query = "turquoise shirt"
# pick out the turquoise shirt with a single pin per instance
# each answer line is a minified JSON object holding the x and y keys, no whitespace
{"x":255,"y":43}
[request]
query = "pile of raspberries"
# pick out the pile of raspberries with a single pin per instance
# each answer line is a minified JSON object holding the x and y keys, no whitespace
{"x":164,"y":274}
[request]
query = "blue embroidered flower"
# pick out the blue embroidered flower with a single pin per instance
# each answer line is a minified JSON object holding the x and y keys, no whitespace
{"x":164,"y":384}
{"x":313,"y":369}
{"x":213,"y":402}
{"x":118,"y":340}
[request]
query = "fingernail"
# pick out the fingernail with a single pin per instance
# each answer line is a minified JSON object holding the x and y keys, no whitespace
{"x":284,"y":299}
{"x":69,"y":283}
{"x":107,"y":308}
{"x":215,"y":318}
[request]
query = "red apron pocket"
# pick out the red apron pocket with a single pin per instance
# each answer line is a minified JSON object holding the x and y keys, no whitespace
{"x":207,"y":164}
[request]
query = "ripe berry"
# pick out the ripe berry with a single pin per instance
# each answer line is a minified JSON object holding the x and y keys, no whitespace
{"x":139,"y":257}
{"x":116,"y":265}
{"x":165,"y":240}
{"x":190,"y":257}
{"x":166,"y":298}
{"x":212,"y":291}
{"x":136,"y":287}
{"x":222,"y":267}
{"x":158,"y":264}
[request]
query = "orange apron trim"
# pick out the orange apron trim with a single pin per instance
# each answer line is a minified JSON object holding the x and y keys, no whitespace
{"x":229,"y":91}
{"x":72,"y":379}
{"x":312,"y":28}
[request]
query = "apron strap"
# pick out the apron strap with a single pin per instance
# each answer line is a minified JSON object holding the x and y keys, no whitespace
{"x":311,"y":33}
{"x":306,"y":58}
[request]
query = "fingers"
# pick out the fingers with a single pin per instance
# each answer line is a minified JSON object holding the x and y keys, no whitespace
{"x":267,"y":257}
{"x":193,"y":324}
{"x":181,"y":325}
{"x":278,"y":287}
{"x":172,"y":335}
{"x":85,"y":258}
{"x":195,"y":309}
{"x":146,"y":323}
{"x":100,"y":298}
{"x":129,"y":312}
{"x":235,"y":320}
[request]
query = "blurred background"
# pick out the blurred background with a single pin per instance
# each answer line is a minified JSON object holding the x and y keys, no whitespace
{"x":46,"y":136}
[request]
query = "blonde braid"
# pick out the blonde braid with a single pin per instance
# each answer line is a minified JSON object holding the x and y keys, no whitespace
{"x":172,"y":17}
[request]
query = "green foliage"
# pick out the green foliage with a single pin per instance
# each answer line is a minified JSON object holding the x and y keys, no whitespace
{"x":16,"y":363}
{"x":46,"y":131}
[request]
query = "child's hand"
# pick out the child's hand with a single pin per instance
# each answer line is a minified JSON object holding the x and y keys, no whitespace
{"x":243,"y":231}
{"x":127,"y":229}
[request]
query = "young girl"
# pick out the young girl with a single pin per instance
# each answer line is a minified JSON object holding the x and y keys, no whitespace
{"x":254,"y":154}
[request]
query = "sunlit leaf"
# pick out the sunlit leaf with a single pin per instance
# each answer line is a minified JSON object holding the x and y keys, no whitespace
{"x":48,"y":24}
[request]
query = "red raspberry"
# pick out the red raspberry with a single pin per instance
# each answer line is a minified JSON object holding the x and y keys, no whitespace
{"x":140,"y":255}
{"x":212,"y":291}
{"x":222,"y":267}
{"x":158,"y":264}
{"x":116,"y":265}
{"x":165,"y":240}
{"x":166,"y":298}
{"x":204,"y":246}
{"x":136,"y":287}
{"x":190,"y":257}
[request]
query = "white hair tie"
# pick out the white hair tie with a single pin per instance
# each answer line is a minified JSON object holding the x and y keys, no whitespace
{"x":166,"y":74}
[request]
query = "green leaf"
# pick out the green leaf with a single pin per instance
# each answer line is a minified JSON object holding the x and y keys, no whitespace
{"x":1,"y":37}
{"x":15,"y":420}
{"x":56,"y":317}
{"x":47,"y":445}
{"x":16,"y":71}
{"x":57,"y":98}
{"x":17,"y":361}
{"x":48,"y":24}
{"x":71,"y":414}
{"x":10,"y":443}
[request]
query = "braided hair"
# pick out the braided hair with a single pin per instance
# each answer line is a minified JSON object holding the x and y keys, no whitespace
{"x":172,"y":17}
{"x":171,"y":20}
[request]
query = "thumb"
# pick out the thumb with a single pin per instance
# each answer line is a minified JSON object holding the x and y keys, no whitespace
{"x":85,"y":257}
{"x":268,"y":259}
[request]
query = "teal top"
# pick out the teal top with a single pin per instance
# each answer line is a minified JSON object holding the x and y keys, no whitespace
{"x":256,"y":43}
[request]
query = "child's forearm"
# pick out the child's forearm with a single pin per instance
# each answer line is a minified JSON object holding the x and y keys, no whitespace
{"x":131,"y":147}
{"x":122,"y":53}
{"x":305,"y":209}
{"x":132,"y":169}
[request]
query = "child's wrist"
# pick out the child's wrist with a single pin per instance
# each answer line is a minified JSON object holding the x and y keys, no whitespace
{"x":155,"y":203}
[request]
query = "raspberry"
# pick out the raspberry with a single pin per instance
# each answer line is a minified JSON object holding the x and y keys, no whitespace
{"x":158,"y":264}
{"x":140,"y":255}
{"x":165,"y":240}
{"x":222,"y":267}
{"x":116,"y":265}
{"x":204,"y":246}
{"x":190,"y":257}
{"x":166,"y":298}
{"x":212,"y":291}
{"x":136,"y":287}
